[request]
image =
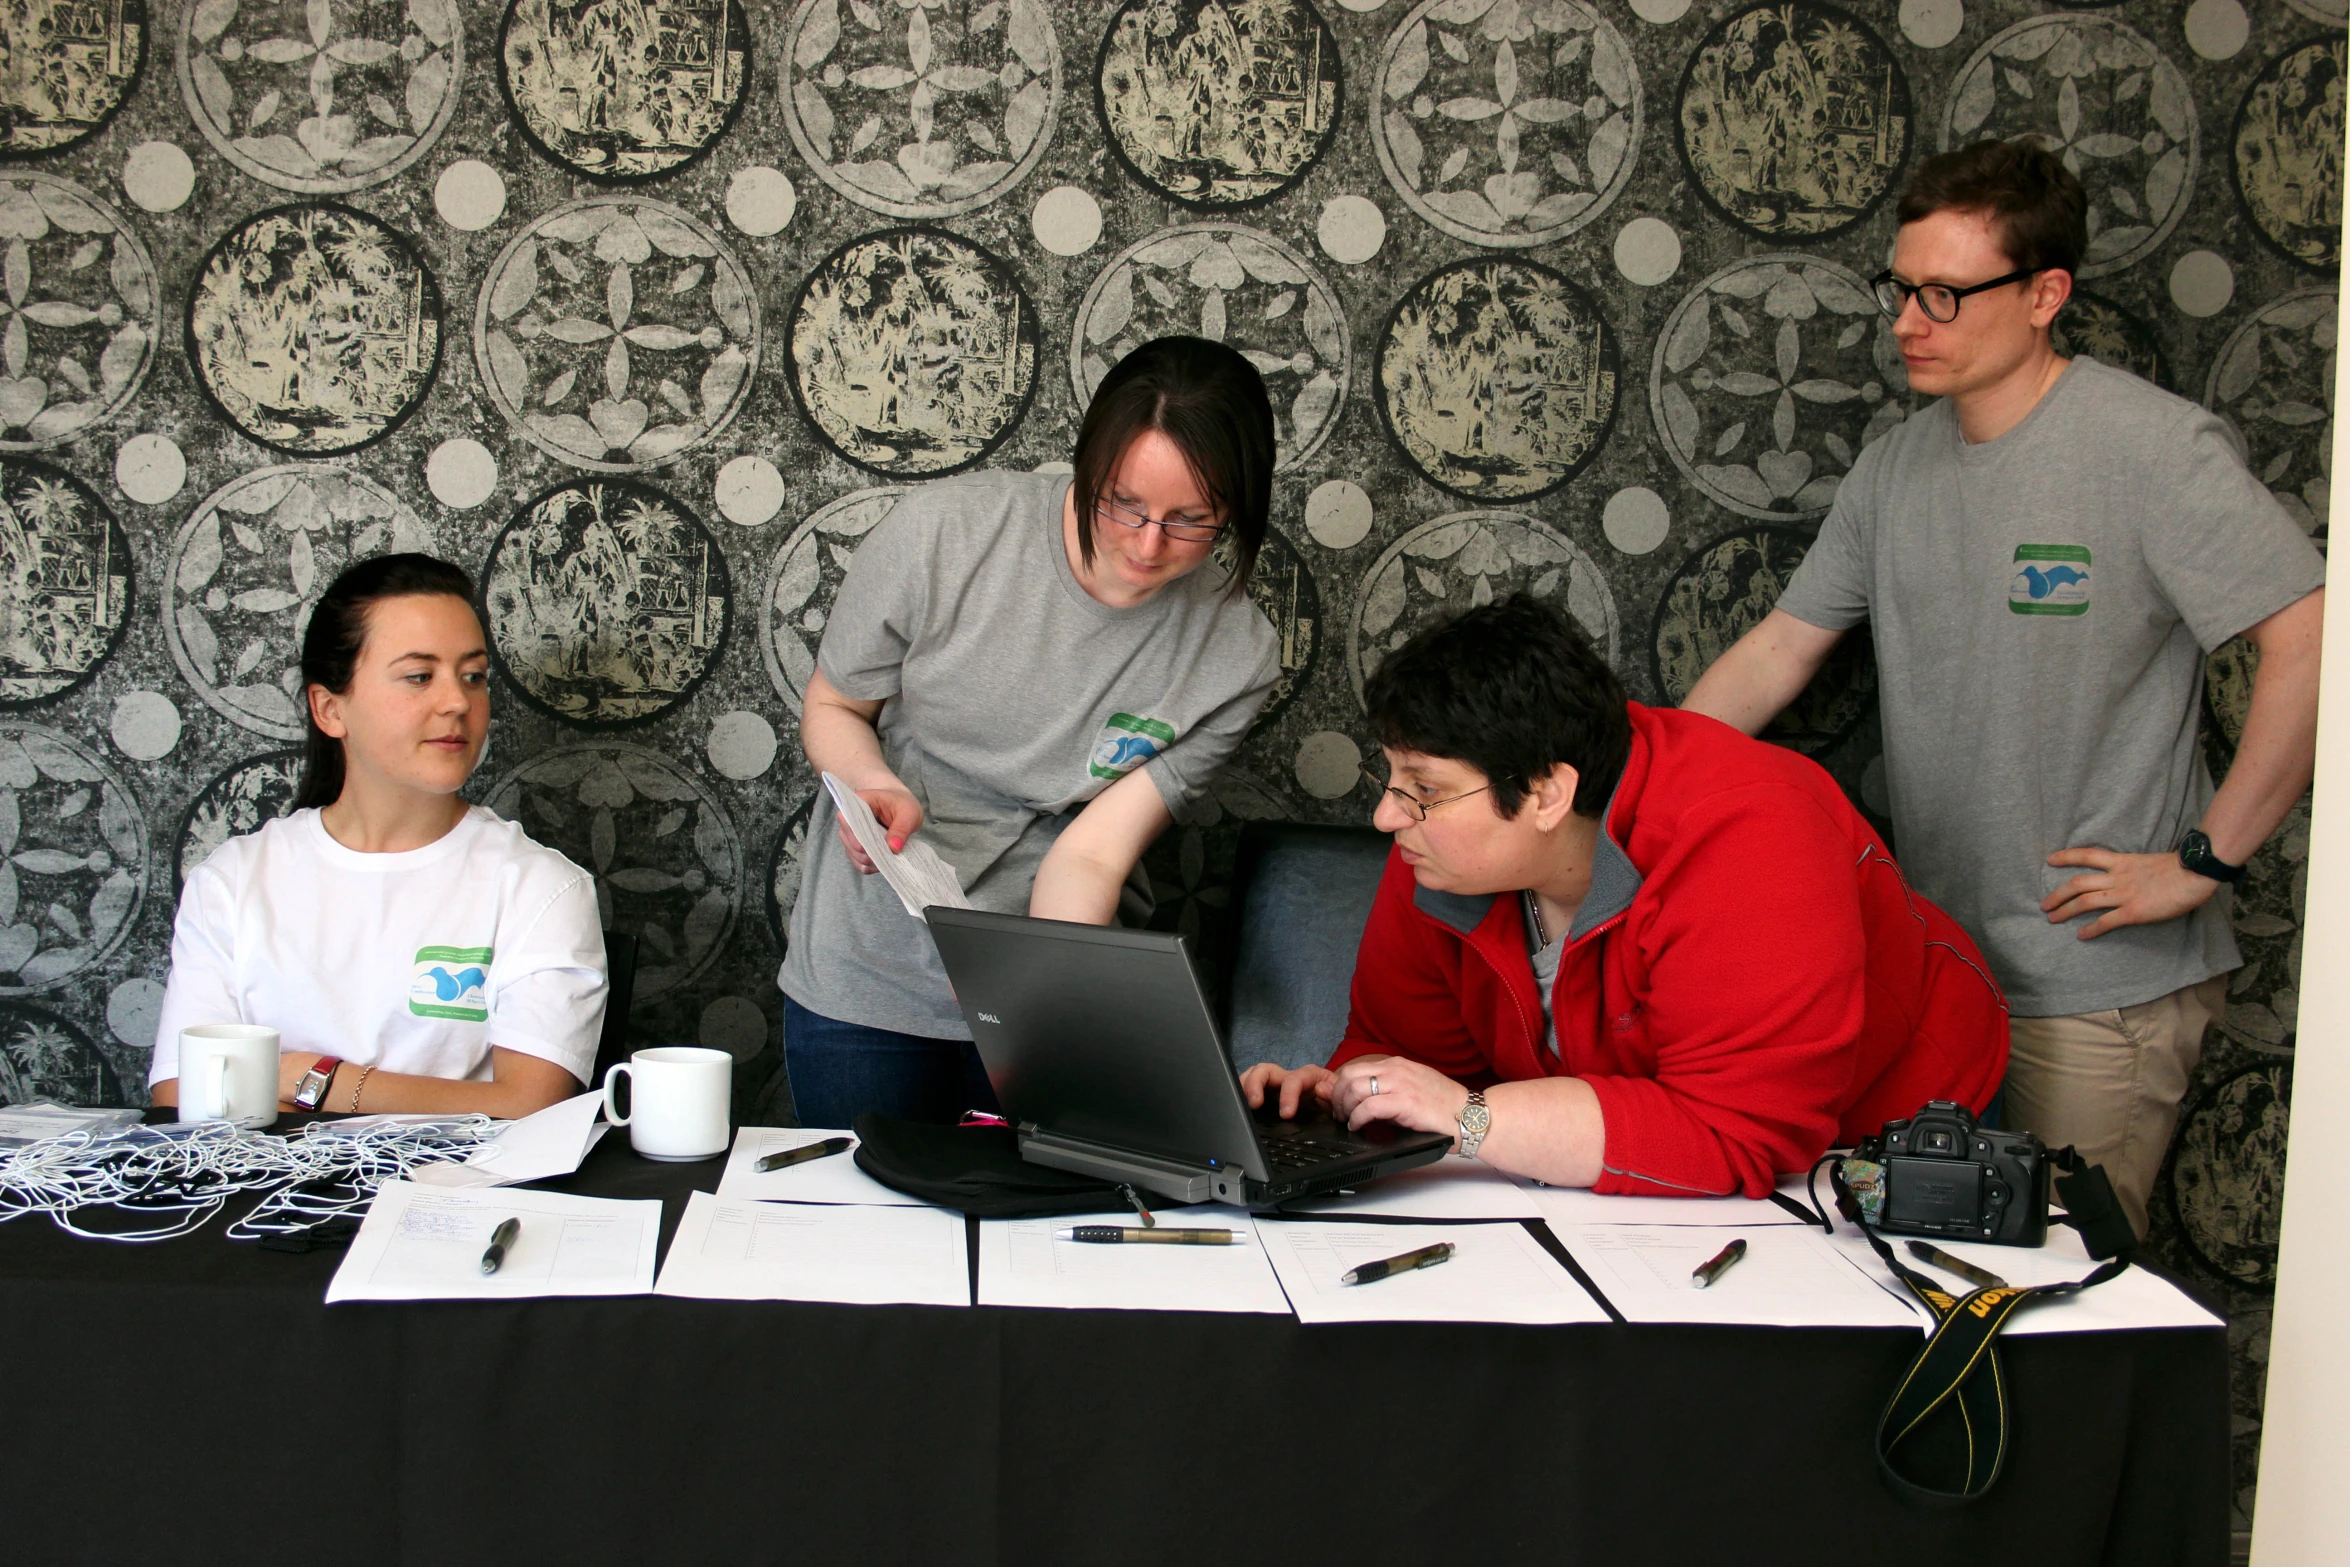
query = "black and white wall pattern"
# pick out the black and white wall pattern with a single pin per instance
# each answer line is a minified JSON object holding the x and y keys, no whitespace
{"x":645,"y":309}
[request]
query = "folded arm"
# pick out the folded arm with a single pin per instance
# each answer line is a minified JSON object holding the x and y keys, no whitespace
{"x":520,"y":1084}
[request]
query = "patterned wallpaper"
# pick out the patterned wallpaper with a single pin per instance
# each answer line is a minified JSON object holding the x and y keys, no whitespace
{"x":645,"y":309}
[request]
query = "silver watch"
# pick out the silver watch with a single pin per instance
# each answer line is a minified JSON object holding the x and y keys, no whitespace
{"x":1476,"y":1121}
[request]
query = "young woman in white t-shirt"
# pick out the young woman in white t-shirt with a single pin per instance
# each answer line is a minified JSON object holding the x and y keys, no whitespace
{"x":413,"y":952}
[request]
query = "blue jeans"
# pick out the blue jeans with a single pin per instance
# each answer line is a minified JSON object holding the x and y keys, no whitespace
{"x":841,"y":1070}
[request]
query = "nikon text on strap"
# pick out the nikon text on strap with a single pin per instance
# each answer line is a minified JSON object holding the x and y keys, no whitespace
{"x":1957,"y":1376}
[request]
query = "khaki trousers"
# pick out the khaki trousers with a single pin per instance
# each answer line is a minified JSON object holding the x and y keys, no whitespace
{"x":2109,"y":1083}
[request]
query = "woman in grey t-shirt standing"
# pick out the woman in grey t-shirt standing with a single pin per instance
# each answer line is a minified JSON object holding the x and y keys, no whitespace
{"x":1037,"y":675}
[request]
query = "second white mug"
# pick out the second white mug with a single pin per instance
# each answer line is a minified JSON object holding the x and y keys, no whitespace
{"x":679,"y":1097}
{"x":228,"y":1072}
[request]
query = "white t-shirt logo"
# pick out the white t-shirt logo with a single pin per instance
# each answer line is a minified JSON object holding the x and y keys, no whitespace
{"x":449,"y":982}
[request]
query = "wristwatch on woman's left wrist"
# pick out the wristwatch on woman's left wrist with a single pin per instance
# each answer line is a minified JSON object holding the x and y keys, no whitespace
{"x":311,"y":1090}
{"x":1475,"y":1121}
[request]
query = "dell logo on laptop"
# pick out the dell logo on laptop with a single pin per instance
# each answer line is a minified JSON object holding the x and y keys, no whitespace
{"x":990,"y":1017}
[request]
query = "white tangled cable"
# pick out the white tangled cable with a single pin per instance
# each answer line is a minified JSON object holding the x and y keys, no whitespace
{"x":185,"y":1174}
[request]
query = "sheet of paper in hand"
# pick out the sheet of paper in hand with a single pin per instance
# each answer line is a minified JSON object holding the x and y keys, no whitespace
{"x":915,"y":873}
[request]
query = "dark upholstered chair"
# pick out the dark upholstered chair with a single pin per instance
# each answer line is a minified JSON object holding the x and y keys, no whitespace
{"x":1302,"y":895}
{"x":620,"y":969}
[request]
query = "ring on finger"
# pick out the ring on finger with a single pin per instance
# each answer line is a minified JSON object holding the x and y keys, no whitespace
{"x":1374,"y":1085}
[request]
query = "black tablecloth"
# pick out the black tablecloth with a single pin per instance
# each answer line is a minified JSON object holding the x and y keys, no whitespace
{"x":196,"y":1400}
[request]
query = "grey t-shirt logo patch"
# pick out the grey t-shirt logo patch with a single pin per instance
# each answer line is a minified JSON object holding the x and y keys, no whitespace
{"x":1126,"y":742}
{"x":2049,"y":579}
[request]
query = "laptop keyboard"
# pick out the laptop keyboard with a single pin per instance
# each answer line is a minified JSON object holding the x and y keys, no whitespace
{"x":1303,"y":1153}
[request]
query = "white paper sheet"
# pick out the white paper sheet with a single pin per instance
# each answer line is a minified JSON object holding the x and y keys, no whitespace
{"x":422,"y":1243}
{"x":1498,"y":1273}
{"x":1021,"y":1264}
{"x":2137,"y":1299}
{"x":1451,"y":1188}
{"x":1790,"y":1277}
{"x":915,"y":873}
{"x":728,"y":1249}
{"x":536,"y":1148}
{"x":1569,"y":1205}
{"x":834,"y":1178}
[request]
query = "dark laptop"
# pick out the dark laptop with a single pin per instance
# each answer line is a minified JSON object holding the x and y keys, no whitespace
{"x":1103,"y":1051}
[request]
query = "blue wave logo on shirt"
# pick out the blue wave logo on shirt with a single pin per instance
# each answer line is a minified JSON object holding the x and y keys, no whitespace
{"x":1126,"y":742}
{"x":451,"y":982}
{"x":2049,"y":579}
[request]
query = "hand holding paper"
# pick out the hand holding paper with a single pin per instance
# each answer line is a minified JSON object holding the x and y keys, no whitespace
{"x":915,"y":873}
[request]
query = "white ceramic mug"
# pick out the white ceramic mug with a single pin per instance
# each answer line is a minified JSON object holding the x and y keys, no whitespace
{"x":228,"y":1072}
{"x":679,"y":1096}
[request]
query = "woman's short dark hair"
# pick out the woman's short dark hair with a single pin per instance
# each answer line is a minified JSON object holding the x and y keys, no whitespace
{"x":2036,"y":206}
{"x":1513,"y":688}
{"x":1211,"y":403}
{"x":332,"y":643}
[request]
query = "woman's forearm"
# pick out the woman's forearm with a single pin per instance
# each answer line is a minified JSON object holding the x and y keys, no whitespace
{"x":839,"y":738}
{"x":1088,"y":864}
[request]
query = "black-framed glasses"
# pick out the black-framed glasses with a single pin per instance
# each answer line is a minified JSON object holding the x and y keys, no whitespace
{"x":1938,"y":300}
{"x":1133,"y":517}
{"x":1419,"y":809}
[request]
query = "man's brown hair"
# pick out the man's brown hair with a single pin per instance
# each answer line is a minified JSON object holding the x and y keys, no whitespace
{"x":2036,"y":207}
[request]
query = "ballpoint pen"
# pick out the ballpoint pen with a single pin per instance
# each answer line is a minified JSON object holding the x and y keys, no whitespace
{"x":1129,"y":1235}
{"x":1372,"y":1272}
{"x":1981,"y":1278}
{"x":791,"y":1156}
{"x":1706,"y":1274}
{"x":500,"y":1238}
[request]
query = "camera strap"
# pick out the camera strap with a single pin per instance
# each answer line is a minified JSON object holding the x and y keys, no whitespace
{"x":1957,"y":1377}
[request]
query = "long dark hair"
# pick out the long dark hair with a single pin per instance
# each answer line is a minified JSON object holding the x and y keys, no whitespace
{"x":337,"y":633}
{"x":1211,"y":403}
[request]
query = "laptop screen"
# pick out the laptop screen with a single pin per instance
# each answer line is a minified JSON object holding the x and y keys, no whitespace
{"x":1097,"y":1033}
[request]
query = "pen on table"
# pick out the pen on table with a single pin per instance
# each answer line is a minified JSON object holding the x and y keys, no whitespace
{"x":1373,"y":1272}
{"x":1707,"y":1274}
{"x":500,"y":1238}
{"x":791,"y":1156}
{"x":1126,"y":1235}
{"x":1982,"y":1277}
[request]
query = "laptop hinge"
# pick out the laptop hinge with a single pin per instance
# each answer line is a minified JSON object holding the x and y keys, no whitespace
{"x":1170,"y":1178}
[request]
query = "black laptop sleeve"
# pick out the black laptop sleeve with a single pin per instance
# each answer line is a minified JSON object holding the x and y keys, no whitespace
{"x":975,"y":1170}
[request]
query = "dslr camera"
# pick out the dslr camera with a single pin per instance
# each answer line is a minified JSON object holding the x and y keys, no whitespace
{"x":1939,"y":1174}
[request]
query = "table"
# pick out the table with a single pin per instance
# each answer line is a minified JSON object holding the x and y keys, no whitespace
{"x":195,"y":1399}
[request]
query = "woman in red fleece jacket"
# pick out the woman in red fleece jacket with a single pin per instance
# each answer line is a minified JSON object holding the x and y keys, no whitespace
{"x":1629,"y":948}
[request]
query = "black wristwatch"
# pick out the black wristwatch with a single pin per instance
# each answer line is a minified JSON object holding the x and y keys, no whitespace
{"x":2195,"y":854}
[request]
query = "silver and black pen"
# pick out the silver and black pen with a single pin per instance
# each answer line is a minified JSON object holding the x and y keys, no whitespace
{"x":1134,"y":1235}
{"x":1372,"y":1272}
{"x":502,"y":1237}
{"x":802,"y":1155}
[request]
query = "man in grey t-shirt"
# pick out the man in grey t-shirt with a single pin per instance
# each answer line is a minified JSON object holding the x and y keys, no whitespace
{"x":2044,"y":557}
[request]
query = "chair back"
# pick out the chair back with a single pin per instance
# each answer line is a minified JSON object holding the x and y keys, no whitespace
{"x":620,"y":974}
{"x":1303,"y":894}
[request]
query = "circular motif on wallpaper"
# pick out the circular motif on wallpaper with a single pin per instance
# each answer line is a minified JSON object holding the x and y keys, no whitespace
{"x":1507,"y":122}
{"x":2094,"y":327}
{"x":668,"y":863}
{"x":1234,"y":285}
{"x":1286,"y":592}
{"x":1468,"y":558}
{"x":73,"y":858}
{"x":804,"y":579}
{"x":2336,"y":12}
{"x":1722,"y":592}
{"x":622,"y":90}
{"x":921,"y":110}
{"x":2105,"y":100}
{"x":245,"y":570}
{"x":2288,"y":152}
{"x":314,"y":329}
{"x":1769,"y":377}
{"x":1497,"y":378}
{"x":1794,"y":120}
{"x":69,"y":68}
{"x":606,"y":602}
{"x":2227,"y":1172}
{"x":784,"y":865}
{"x":65,"y":582}
{"x":617,"y":334}
{"x":76,"y":337}
{"x":243,"y":799}
{"x":2273,"y":382}
{"x":913,"y":352}
{"x":319,"y":96}
{"x":43,"y":1056}
{"x":1218,"y":106}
